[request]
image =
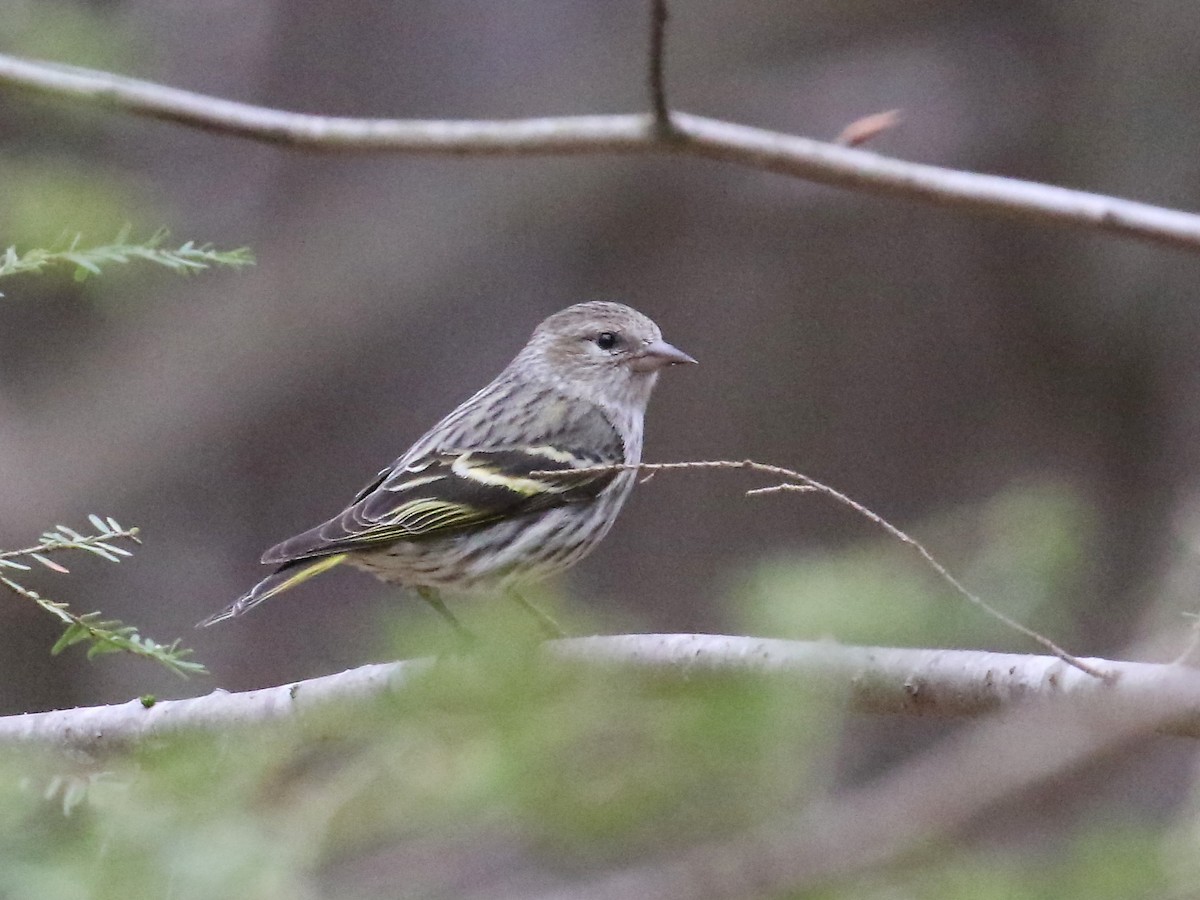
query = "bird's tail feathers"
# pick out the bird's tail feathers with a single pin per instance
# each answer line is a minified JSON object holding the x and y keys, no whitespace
{"x":286,"y":578}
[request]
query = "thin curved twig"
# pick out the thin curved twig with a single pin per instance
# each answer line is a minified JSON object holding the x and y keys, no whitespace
{"x":798,"y":482}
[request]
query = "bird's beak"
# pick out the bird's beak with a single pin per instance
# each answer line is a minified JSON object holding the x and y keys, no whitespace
{"x":657,"y":355}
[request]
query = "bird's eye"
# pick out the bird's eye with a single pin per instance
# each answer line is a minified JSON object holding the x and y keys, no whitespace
{"x":607,"y":340}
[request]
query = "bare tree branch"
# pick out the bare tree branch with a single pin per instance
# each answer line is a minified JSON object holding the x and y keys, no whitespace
{"x":874,"y":679}
{"x":689,"y":135}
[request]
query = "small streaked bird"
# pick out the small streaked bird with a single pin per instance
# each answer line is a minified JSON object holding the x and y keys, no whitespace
{"x":509,"y":487}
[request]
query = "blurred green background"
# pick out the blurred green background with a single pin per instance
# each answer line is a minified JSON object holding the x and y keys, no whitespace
{"x":1025,"y":400}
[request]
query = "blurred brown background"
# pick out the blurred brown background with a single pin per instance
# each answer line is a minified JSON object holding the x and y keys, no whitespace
{"x":919,"y":359}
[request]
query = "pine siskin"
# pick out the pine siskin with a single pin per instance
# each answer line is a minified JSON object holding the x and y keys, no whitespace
{"x":493,"y":494}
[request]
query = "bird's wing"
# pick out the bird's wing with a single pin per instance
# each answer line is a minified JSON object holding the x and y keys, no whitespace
{"x":447,"y":492}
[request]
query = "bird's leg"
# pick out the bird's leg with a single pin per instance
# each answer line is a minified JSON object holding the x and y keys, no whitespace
{"x":430,"y":596}
{"x":548,"y":626}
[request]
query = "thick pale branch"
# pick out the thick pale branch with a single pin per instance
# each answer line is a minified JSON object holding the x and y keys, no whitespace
{"x":929,"y":796}
{"x":874,"y":679}
{"x":689,"y":135}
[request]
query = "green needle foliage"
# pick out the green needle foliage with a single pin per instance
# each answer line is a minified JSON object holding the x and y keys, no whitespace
{"x":185,"y":259}
{"x":101,"y":635}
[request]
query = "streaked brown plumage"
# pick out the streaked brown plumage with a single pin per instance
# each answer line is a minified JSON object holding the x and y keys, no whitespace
{"x":492,"y":495}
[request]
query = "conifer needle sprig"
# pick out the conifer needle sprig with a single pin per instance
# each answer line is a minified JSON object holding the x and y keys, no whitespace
{"x":187,"y":258}
{"x":100,"y":634}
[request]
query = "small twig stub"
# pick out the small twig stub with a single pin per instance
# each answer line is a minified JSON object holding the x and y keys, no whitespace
{"x":657,"y":77}
{"x":860,"y":131}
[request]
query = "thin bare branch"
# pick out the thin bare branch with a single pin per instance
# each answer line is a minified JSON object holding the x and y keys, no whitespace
{"x":800,"y":483}
{"x":689,"y":135}
{"x":657,"y":68}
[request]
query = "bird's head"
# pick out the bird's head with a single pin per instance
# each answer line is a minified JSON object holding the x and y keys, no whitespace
{"x":602,"y":350}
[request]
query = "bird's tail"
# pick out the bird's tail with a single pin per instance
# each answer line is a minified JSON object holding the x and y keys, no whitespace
{"x":286,"y":577}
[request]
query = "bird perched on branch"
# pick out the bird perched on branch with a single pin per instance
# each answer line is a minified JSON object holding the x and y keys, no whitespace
{"x":517,"y":483}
